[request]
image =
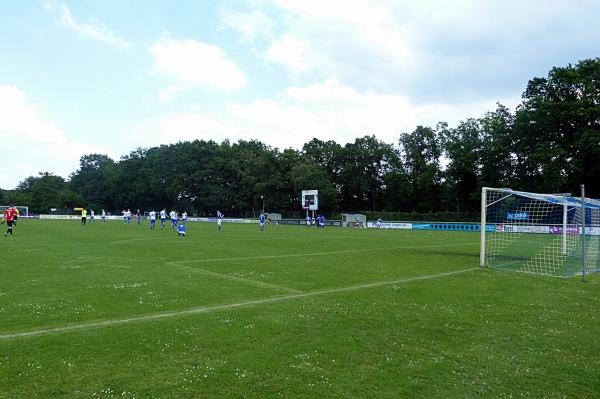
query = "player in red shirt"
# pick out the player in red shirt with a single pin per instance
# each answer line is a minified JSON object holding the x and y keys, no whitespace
{"x":9,"y":217}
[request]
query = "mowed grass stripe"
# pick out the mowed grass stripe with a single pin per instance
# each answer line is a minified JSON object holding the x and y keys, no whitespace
{"x":209,"y":309}
{"x":234,"y":278}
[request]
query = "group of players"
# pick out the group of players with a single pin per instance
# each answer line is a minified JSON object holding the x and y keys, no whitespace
{"x":10,"y":216}
{"x":318,"y":222}
{"x":177,"y":223}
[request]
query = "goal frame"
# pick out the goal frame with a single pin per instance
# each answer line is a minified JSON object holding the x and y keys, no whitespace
{"x":586,"y":213}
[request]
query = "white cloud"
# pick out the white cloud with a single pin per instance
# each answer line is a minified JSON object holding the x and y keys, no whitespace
{"x":294,"y":54}
{"x":464,"y":50}
{"x":169,"y":93}
{"x":326,"y":110}
{"x":192,"y":62}
{"x":94,"y":31}
{"x":32,"y":144}
{"x":252,"y":26}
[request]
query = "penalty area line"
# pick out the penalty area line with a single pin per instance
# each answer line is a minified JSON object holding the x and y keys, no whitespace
{"x":344,"y":251}
{"x":211,"y":309}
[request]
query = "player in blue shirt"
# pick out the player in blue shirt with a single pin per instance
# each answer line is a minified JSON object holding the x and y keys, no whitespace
{"x":181,"y":230}
{"x":261,"y":221}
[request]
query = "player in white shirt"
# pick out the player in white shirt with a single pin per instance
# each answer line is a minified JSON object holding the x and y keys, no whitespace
{"x":184,"y":217}
{"x":173,"y":216}
{"x":152,"y":216}
{"x":92,"y":216}
{"x":163,"y":218}
{"x":220,"y":217}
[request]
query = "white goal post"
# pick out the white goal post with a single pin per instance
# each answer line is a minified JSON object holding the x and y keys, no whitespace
{"x":550,"y":234}
{"x":23,"y":210}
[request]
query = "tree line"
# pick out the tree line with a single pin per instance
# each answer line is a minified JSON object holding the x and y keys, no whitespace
{"x":550,"y":143}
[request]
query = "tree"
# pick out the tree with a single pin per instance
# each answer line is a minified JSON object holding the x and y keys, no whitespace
{"x":327,"y":154}
{"x":420,"y":154}
{"x":308,"y":175}
{"x":47,"y":191}
{"x":91,"y":180}
{"x":364,"y":165}
{"x":462,"y":147}
{"x":557,"y":130}
{"x":497,"y":158}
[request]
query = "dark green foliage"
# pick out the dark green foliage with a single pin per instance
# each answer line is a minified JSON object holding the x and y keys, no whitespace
{"x":557,"y":132}
{"x":46,"y":191}
{"x":420,"y":154}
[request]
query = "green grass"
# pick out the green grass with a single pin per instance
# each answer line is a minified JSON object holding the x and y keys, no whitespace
{"x":290,"y":312}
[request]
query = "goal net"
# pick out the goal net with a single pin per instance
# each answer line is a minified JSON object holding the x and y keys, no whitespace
{"x":550,"y":234}
{"x":23,"y":210}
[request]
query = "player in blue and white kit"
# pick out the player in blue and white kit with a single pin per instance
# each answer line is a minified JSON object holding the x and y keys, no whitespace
{"x":128,"y":216}
{"x":181,"y":230}
{"x":261,"y":221}
{"x":103,"y":216}
{"x":92,"y":216}
{"x":163,"y":218}
{"x":220,"y":217}
{"x":184,"y":217}
{"x":378,"y":224}
{"x":152,"y":216}
{"x":308,"y":221}
{"x":173,"y":216}
{"x":321,"y":221}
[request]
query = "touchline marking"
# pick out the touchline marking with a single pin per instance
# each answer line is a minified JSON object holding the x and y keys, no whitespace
{"x":209,"y":309}
{"x":234,"y":278}
{"x":325,"y":253}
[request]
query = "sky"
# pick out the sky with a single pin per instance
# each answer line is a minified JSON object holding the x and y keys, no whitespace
{"x":110,"y":76}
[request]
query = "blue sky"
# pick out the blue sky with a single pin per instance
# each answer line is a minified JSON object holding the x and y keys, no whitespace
{"x":79,"y":77}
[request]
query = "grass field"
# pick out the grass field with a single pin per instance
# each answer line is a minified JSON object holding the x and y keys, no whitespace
{"x":116,"y":311}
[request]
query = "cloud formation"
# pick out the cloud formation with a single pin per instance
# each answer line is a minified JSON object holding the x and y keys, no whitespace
{"x":33,"y":143}
{"x":328,"y":110}
{"x":93,"y":31}
{"x":431,"y":51}
{"x":192,"y":62}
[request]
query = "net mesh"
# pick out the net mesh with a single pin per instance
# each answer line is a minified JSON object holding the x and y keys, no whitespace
{"x":540,"y":233}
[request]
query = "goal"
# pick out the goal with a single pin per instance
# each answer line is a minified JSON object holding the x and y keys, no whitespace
{"x":549,"y":234}
{"x":23,"y":210}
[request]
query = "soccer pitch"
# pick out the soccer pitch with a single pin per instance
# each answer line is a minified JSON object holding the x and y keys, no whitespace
{"x":122,"y":311}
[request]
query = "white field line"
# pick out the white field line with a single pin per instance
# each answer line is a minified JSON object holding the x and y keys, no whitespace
{"x":144,"y":239}
{"x":210,"y":309}
{"x":234,"y":278}
{"x":326,"y":253}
